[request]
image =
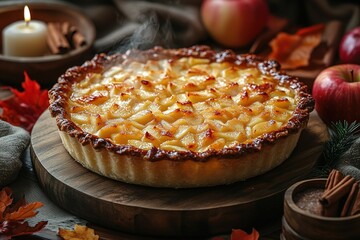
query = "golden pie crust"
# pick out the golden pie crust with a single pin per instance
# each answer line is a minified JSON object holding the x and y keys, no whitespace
{"x":179,"y":118}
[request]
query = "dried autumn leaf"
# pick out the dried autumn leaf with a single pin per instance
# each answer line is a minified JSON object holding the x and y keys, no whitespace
{"x":24,"y":212}
{"x":238,"y":234}
{"x":15,"y":228}
{"x":79,"y":233}
{"x":24,"y":108}
{"x":13,"y":216}
{"x":283,"y":45}
{"x":311,"y":29}
{"x":5,"y":201}
{"x":294,"y":50}
{"x":15,"y":206}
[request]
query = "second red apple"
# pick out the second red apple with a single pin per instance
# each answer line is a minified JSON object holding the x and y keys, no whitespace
{"x":336,"y":91}
{"x":349,"y":49}
{"x":234,"y":23}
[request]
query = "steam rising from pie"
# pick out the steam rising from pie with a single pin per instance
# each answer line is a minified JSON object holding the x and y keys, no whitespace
{"x":146,"y":35}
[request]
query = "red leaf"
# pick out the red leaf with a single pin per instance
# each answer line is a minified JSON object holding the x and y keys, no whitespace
{"x":13,"y":215}
{"x":16,"y":228}
{"x":238,"y":234}
{"x":24,"y":108}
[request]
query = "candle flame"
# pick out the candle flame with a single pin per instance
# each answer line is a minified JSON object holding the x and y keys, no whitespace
{"x":27,"y":16}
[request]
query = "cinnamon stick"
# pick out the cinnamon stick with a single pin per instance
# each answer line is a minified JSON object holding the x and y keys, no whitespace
{"x":333,"y":198}
{"x":65,"y":28}
{"x":338,"y":191}
{"x":334,"y":178}
{"x":78,"y":40}
{"x":356,"y":206}
{"x":56,"y":40}
{"x":341,"y":196}
{"x":63,"y":36}
{"x":346,"y":210}
{"x":331,"y":181}
{"x":68,"y":30}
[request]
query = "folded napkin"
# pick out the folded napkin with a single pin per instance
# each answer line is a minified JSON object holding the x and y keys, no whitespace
{"x":350,"y":161}
{"x":13,"y":142}
{"x":16,"y":172}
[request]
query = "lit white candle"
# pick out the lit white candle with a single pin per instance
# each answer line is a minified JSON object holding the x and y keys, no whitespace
{"x":25,"y":38}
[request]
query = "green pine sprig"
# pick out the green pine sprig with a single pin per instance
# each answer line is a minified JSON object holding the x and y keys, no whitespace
{"x":342,"y":136}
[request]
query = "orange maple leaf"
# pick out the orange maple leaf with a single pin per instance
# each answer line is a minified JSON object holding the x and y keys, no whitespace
{"x":294,"y":50}
{"x":24,"y":108}
{"x":13,"y":216}
{"x":238,"y":234}
{"x":24,"y":212}
{"x":79,"y":233}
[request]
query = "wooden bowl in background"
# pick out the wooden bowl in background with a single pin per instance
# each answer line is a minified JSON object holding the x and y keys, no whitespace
{"x":44,"y":69}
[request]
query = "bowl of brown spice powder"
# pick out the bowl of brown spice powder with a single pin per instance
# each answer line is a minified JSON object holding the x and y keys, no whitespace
{"x":322,"y":208}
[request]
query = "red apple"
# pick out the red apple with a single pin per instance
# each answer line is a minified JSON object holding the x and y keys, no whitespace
{"x":336,"y":91}
{"x":234,"y":23}
{"x":349,"y":49}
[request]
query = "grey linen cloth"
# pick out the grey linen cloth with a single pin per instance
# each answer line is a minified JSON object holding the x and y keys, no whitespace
{"x":13,"y":142}
{"x":350,"y":161}
{"x":16,"y":172}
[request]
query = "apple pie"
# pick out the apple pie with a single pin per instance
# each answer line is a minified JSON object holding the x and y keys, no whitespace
{"x":179,"y":118}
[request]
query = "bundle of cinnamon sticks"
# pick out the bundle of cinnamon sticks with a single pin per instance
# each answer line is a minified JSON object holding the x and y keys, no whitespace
{"x":63,"y":37}
{"x":341,"y":196}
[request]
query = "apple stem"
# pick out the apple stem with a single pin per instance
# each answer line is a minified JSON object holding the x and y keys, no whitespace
{"x":352,"y":75}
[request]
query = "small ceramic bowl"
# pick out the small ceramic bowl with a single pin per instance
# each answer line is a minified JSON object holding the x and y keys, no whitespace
{"x":44,"y":69}
{"x":301,"y":221}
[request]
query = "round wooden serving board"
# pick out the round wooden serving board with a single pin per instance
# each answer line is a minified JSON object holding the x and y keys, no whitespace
{"x":162,"y":211}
